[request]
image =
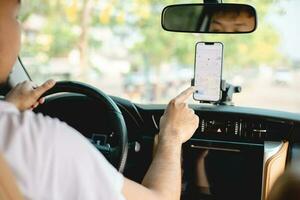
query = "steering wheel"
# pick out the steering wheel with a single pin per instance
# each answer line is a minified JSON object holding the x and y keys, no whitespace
{"x":116,"y":155}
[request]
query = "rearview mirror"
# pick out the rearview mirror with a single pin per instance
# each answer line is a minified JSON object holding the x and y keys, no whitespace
{"x":209,"y":18}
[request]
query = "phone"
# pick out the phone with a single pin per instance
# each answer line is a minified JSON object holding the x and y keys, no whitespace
{"x":208,"y":71}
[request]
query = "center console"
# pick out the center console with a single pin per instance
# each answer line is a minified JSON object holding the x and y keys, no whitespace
{"x":233,"y":158}
{"x":222,"y":170}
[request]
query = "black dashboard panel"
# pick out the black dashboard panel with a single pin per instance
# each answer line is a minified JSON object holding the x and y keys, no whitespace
{"x":221,"y":124}
{"x":242,"y":129}
{"x":232,"y":123}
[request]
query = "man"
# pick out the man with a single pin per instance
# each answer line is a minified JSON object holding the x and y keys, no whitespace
{"x":232,"y":20}
{"x":50,"y":160}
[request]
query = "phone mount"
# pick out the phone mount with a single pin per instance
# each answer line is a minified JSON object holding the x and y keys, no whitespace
{"x":227,"y":91}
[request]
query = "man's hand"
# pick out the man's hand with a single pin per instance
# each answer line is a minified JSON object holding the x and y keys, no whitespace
{"x":163,"y":179}
{"x":27,"y":96}
{"x":179,"y":122}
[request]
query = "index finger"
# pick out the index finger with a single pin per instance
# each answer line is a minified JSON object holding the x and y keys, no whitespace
{"x":183,"y":96}
{"x":43,"y":88}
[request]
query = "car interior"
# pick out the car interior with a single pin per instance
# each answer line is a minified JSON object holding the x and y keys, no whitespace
{"x":237,"y":152}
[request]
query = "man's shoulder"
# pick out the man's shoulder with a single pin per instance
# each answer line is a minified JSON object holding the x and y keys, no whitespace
{"x":27,"y":120}
{"x":30,"y":128}
{"x":11,"y":116}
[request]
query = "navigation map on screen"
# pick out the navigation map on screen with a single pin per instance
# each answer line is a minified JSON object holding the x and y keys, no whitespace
{"x":208,"y":71}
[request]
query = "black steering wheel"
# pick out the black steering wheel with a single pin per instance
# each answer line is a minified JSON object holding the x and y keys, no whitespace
{"x":116,"y":155}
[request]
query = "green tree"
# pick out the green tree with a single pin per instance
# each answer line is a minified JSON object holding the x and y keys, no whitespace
{"x":61,"y":19}
{"x":250,"y":49}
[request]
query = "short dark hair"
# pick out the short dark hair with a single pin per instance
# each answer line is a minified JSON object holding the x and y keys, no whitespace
{"x":236,"y":11}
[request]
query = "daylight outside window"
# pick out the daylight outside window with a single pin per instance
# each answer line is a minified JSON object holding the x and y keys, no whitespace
{"x":120,"y":47}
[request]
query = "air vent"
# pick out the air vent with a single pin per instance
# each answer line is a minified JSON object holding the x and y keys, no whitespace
{"x":242,"y":129}
{"x":264,"y":130}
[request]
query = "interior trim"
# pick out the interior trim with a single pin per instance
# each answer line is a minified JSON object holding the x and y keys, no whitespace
{"x":275,"y":154}
{"x":154,"y":122}
{"x":215,"y":148}
{"x":155,"y":143}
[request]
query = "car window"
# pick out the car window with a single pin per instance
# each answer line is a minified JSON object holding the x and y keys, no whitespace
{"x":120,"y":47}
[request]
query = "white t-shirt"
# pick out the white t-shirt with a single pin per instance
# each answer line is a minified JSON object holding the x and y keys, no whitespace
{"x":51,"y":160}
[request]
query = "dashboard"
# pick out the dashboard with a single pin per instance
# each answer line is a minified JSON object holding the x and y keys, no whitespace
{"x":235,"y":152}
{"x":232,"y":123}
{"x":236,"y":138}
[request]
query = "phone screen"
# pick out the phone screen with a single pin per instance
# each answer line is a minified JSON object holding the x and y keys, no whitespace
{"x":208,"y":71}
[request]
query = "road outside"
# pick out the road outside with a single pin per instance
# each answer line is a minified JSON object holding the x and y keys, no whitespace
{"x":264,"y":92}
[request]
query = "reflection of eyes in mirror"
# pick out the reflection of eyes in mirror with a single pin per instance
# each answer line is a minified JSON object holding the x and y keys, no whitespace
{"x":232,"y":21}
{"x":209,"y":18}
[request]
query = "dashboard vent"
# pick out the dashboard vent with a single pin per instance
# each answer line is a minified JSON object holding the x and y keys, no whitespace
{"x":242,"y":129}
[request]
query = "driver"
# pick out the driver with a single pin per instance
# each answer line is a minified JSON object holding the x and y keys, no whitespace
{"x":230,"y":20}
{"x":50,"y":160}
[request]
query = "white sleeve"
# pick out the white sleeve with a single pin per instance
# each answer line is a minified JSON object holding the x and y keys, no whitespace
{"x":52,"y":161}
{"x":74,"y":169}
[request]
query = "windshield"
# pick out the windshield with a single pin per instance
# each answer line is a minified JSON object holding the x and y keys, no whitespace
{"x":120,"y":47}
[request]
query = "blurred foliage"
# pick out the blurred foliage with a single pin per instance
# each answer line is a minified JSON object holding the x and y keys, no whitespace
{"x":155,"y":47}
{"x":241,"y":50}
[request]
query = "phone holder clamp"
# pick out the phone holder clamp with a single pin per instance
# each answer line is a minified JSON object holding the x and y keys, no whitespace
{"x":227,"y":91}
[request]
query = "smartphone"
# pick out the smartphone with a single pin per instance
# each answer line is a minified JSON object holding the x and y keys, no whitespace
{"x":208,"y":71}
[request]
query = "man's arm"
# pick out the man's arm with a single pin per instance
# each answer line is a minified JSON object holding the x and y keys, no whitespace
{"x":163,"y":179}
